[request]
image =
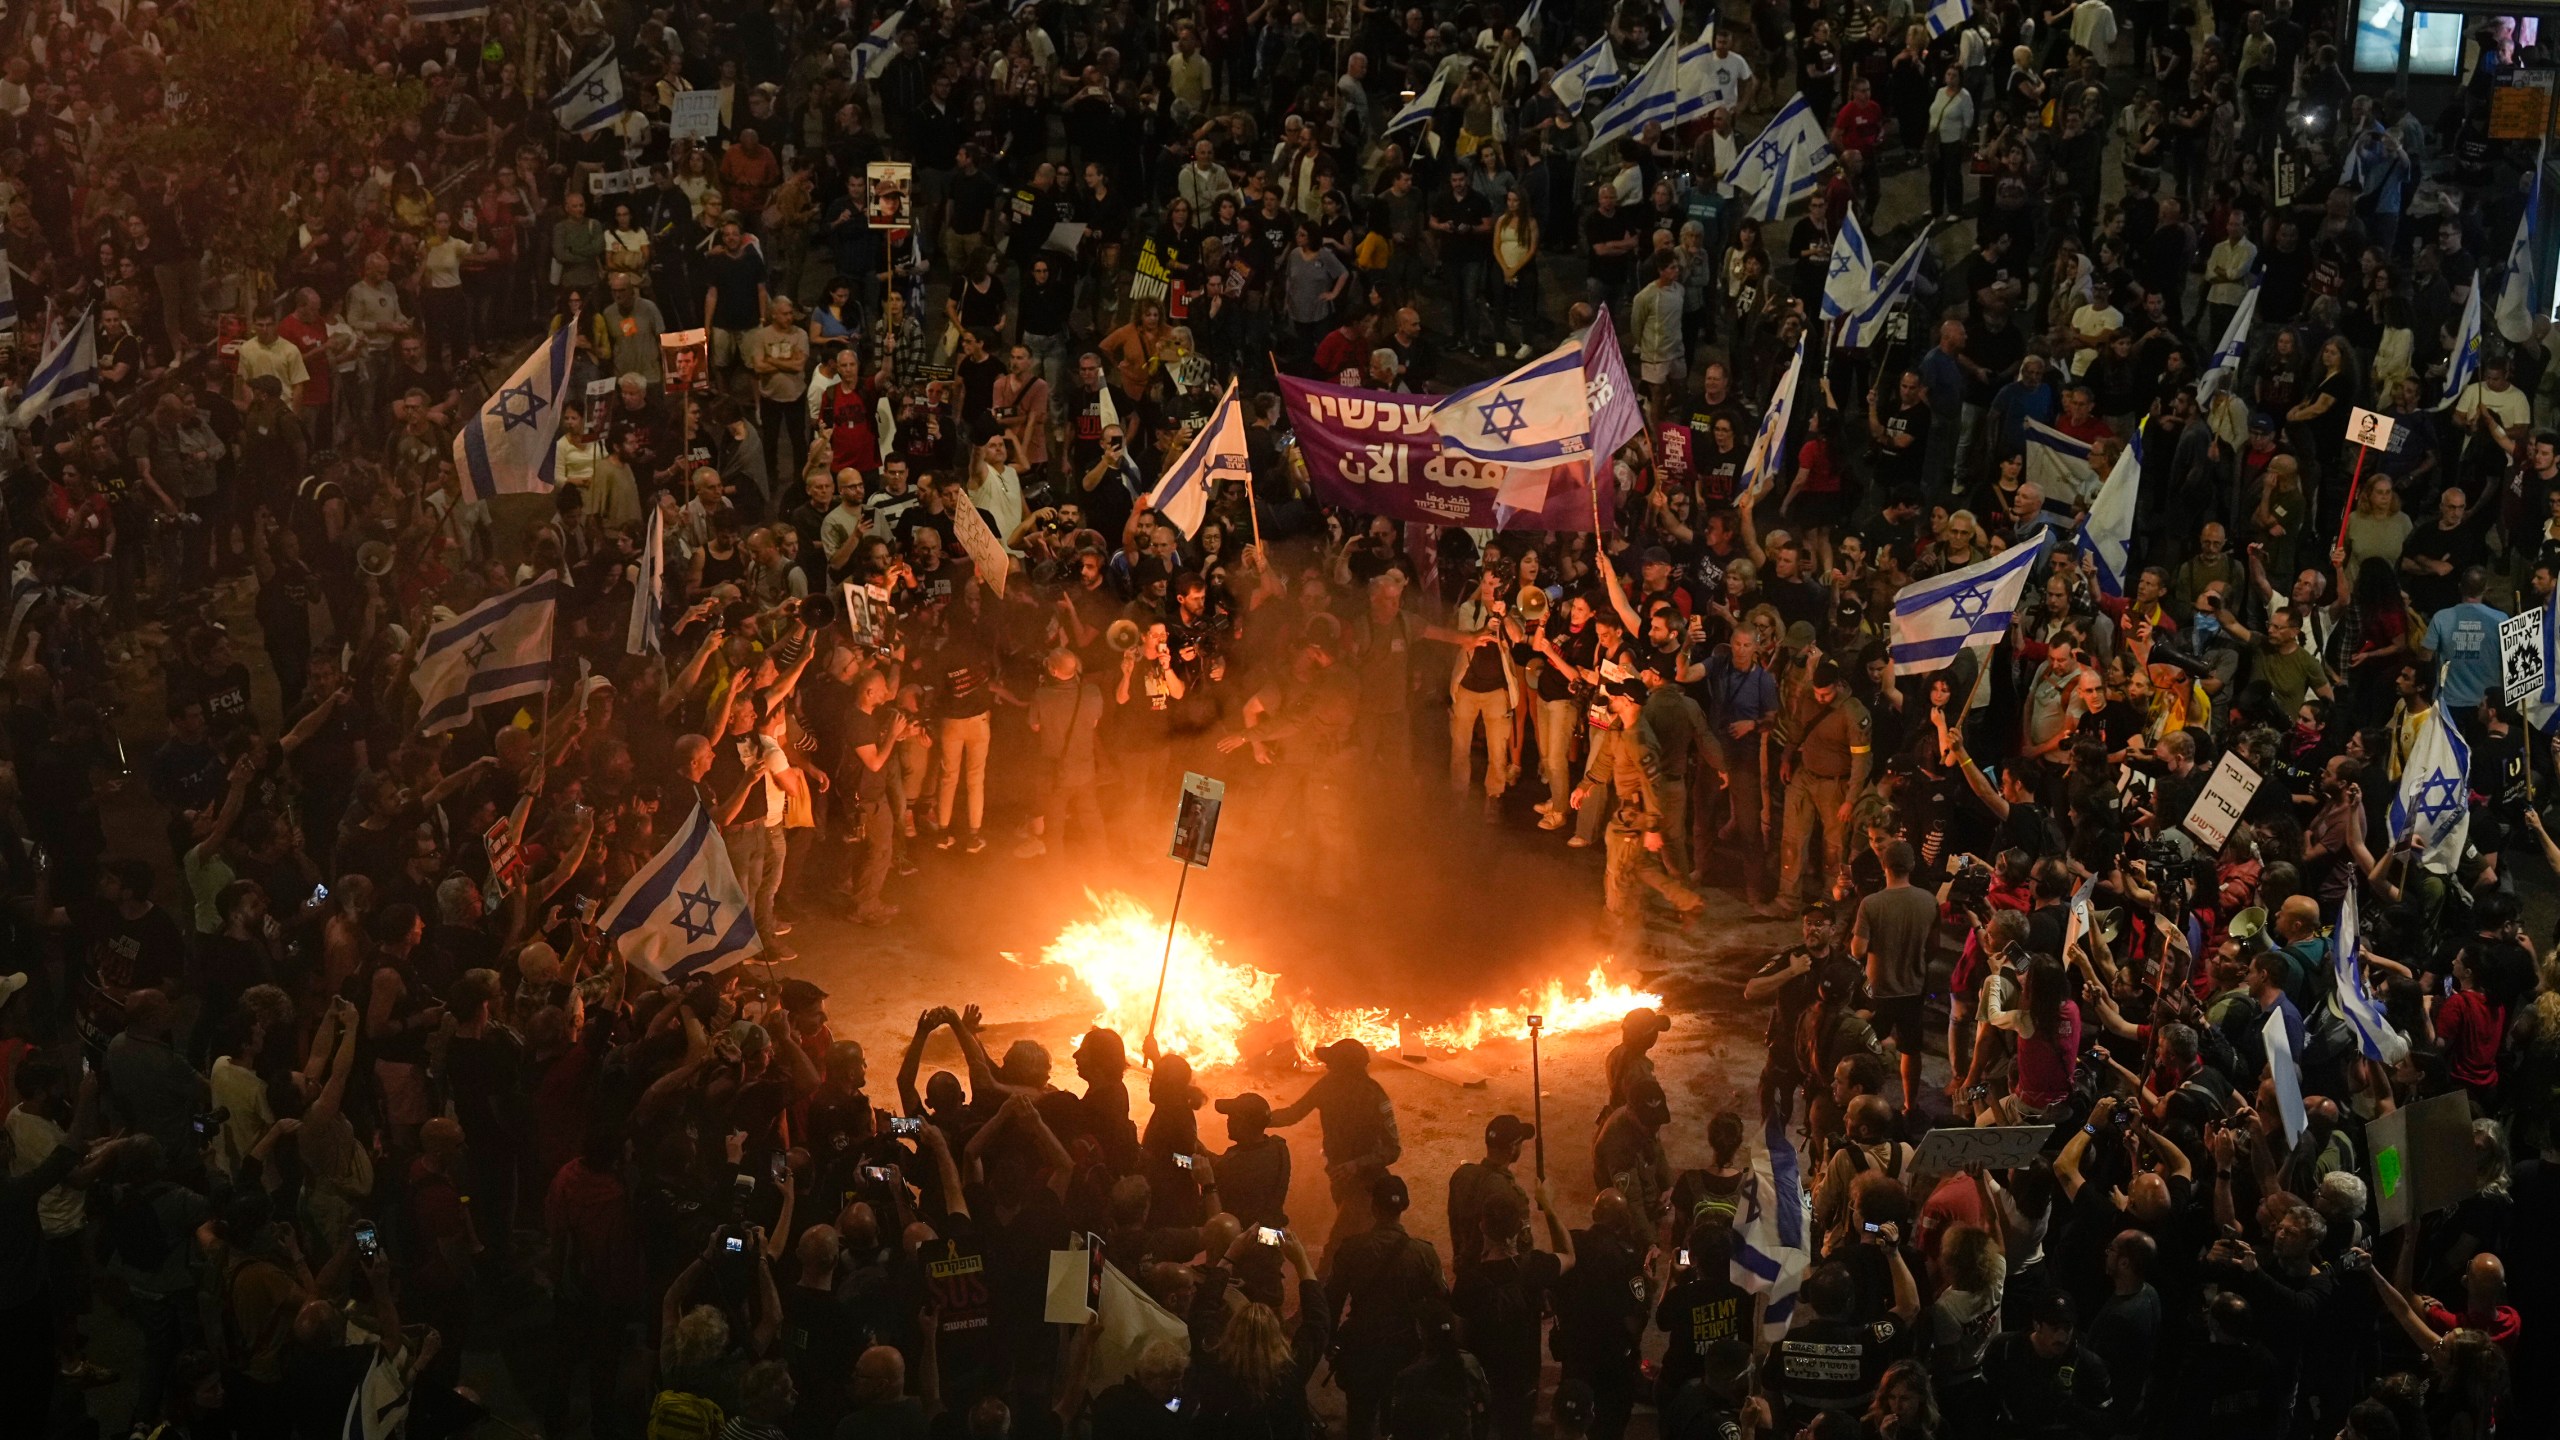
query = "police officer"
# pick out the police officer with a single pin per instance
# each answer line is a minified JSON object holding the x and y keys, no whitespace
{"x":1825,"y":770}
{"x":1669,"y":727}
{"x":1386,"y":1279}
{"x":1636,"y":838}
{"x":1359,"y":1133}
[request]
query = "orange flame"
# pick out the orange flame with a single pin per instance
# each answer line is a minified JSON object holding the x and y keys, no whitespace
{"x":1210,"y":1003}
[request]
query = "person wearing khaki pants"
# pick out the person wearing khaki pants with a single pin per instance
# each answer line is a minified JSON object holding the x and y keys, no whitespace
{"x":1484,"y":688}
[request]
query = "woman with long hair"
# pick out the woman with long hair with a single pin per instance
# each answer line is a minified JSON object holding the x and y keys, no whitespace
{"x":1249,"y":1373}
{"x":1515,"y":258}
{"x":2378,"y":528}
{"x":2046,"y":1021}
{"x":2378,"y":636}
{"x":1905,"y":1405}
{"x":1973,"y":1266}
{"x":2319,"y":419}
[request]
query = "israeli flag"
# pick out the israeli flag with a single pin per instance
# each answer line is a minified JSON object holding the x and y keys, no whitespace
{"x":1538,"y":414}
{"x":2515,"y":297}
{"x":1937,"y":619}
{"x":872,"y":49}
{"x":2224,"y":371}
{"x":2058,"y":464}
{"x":1789,"y":151}
{"x":8,"y":295}
{"x":1767,"y":457}
{"x":1770,"y":1255}
{"x":2106,"y":533}
{"x":1853,"y":270}
{"x":2374,"y":1036}
{"x":1216,"y":453}
{"x":1424,"y":105}
{"x":499,"y":649}
{"x":1586,"y":72}
{"x":67,"y":373}
{"x":1528,"y":26}
{"x":649,"y":593}
{"x":2434,"y":802}
{"x":684,"y":914}
{"x":593,"y":97}
{"x":1946,"y":15}
{"x":2080,"y":918}
{"x":430,"y":11}
{"x":1654,"y":96}
{"x":506,"y":449}
{"x":2463,"y":370}
{"x":1865,"y":325}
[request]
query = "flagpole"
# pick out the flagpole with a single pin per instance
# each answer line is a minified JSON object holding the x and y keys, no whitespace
{"x":2354,"y":479}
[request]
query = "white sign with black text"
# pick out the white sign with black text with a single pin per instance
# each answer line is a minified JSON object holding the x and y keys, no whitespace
{"x":2225,"y":799}
{"x":2520,"y":669}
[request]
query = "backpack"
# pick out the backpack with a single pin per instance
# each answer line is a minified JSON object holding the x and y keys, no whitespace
{"x":683,"y":1415}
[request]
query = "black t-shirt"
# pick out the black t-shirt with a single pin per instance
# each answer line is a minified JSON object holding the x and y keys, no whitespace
{"x":1793,"y":996}
{"x":1600,"y":229}
{"x":1896,"y":468}
{"x":1471,"y":242}
{"x":225,"y":694}
{"x":973,"y":196}
{"x":2464,"y":547}
{"x":737,"y":278}
{"x":1499,"y":1305}
{"x":1697,"y":1311}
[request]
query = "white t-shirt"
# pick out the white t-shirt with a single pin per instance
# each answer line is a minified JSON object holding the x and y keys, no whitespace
{"x":1726,"y":75}
{"x":2091,"y":320}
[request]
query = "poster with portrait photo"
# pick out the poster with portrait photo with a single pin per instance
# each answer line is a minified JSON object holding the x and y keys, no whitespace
{"x":890,"y":194}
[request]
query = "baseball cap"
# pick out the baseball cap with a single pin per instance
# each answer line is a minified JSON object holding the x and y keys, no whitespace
{"x":800,"y":994}
{"x":1643,"y":1020}
{"x":1389,"y":1195}
{"x":1345,"y":1051}
{"x":1654,"y":555}
{"x":1507,"y":1130}
{"x":1826,"y":673}
{"x":1249,"y":1107}
{"x":2261,"y":420}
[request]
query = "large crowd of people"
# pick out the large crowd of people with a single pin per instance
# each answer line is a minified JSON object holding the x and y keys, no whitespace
{"x":321,"y":1079}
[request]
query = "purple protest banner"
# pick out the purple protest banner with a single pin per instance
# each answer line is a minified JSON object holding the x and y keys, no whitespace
{"x":1375,"y":452}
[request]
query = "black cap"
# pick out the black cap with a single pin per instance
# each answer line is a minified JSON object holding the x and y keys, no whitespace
{"x":1345,"y":1051}
{"x":1654,"y":555}
{"x":1826,"y":672}
{"x":1249,"y":1107}
{"x":1388,"y":1194}
{"x":1507,"y":1130}
{"x":800,"y":994}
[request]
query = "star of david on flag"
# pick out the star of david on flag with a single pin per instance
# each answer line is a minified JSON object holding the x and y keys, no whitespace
{"x":593,"y":97}
{"x":2355,"y":1000}
{"x":1539,"y":414}
{"x":684,"y":913}
{"x":1937,"y":619}
{"x":2434,"y":800}
{"x":499,"y":649}
{"x":505,"y":447}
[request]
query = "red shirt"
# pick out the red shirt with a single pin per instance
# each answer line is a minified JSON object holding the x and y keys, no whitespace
{"x":2471,"y":1028}
{"x":1860,"y":126}
{"x":312,"y":339}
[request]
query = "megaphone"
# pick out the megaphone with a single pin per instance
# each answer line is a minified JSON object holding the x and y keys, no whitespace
{"x":1531,"y":603}
{"x":1124,"y":635}
{"x":2249,"y":929}
{"x":374,"y":557}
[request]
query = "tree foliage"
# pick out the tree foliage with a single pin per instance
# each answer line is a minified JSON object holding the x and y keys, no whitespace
{"x":253,"y":104}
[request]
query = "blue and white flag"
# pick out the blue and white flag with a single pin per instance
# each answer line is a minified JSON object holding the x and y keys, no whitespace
{"x":1586,"y":72}
{"x":2059,"y":465}
{"x":429,"y":11}
{"x":1853,"y":269}
{"x":67,"y":373}
{"x":649,"y":593}
{"x":684,"y":914}
{"x":1423,"y":106}
{"x":499,"y":649}
{"x":2223,"y":371}
{"x":1538,"y":414}
{"x":2106,"y":532}
{"x":2080,"y":917}
{"x":1653,"y":96}
{"x":1216,"y":453}
{"x":1783,"y":159}
{"x":2462,"y":370}
{"x":2434,"y":802}
{"x":1866,"y":325}
{"x":8,"y":294}
{"x":1767,"y":457}
{"x":1937,"y":619}
{"x":872,"y":50}
{"x":2515,"y":296}
{"x":1946,"y":15}
{"x":593,"y":97}
{"x":2353,"y":998}
{"x":1528,"y":25}
{"x":506,"y":448}
{"x":1770,"y":1254}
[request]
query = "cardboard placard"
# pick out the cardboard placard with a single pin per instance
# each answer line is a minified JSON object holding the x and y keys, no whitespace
{"x":1993,"y":1147}
{"x":2224,"y":800}
{"x":979,"y":543}
{"x":2421,"y":1159}
{"x":2370,"y":429}
{"x":685,"y":356}
{"x":2518,"y":105}
{"x":695,"y":115}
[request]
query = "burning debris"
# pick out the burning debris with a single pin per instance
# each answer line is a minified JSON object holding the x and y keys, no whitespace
{"x":1217,"y":1011}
